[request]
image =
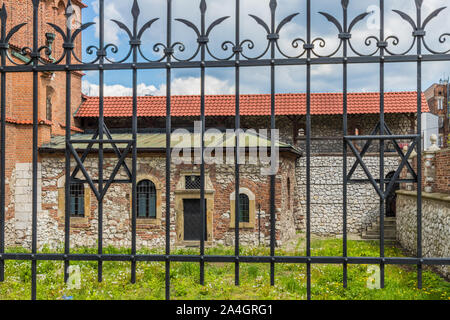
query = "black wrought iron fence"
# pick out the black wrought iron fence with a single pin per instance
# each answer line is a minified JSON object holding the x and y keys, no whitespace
{"x":239,"y":58}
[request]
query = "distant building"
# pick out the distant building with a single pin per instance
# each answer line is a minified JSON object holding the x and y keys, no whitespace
{"x":438,"y":97}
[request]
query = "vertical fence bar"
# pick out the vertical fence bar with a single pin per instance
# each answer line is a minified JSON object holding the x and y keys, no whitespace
{"x":134,"y":129}
{"x":35,"y":55}
{"x":382,"y":130}
{"x":202,"y":157}
{"x":2,"y":146}
{"x":308,"y":152}
{"x":273,"y":5}
{"x":419,"y":149}
{"x":101,"y":124}
{"x":67,"y":155}
{"x":168,"y":141}
{"x":344,"y":158}
{"x":237,"y":150}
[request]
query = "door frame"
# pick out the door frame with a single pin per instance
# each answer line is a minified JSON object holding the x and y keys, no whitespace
{"x":180,"y":195}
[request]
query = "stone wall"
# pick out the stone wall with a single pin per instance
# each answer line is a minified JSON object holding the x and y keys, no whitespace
{"x":327,"y":193}
{"x":435,"y":206}
{"x":326,"y":130}
{"x":435,"y":225}
{"x":117,"y":207}
{"x":435,"y":169}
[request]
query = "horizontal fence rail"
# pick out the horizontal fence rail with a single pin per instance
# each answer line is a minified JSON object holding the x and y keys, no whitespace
{"x":237,"y":54}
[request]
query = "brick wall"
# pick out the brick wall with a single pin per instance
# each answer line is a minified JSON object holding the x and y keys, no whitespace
{"x":19,"y":95}
{"x":117,"y":204}
{"x":436,"y":164}
{"x":442,"y":165}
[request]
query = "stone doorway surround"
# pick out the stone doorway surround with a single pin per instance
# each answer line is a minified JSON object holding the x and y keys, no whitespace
{"x":182,"y":193}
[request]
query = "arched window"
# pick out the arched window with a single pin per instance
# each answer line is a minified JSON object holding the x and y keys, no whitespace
{"x":146,"y":199}
{"x":61,"y":8}
{"x":244,"y":208}
{"x":77,"y":199}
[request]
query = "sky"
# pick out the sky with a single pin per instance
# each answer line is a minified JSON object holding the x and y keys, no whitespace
{"x":254,"y":80}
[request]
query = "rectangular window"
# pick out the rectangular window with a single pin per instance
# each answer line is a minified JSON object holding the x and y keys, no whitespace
{"x":147,"y":206}
{"x":152,"y":206}
{"x":440,"y":103}
{"x":142,"y":205}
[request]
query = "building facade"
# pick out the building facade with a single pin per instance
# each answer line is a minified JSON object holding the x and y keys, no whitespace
{"x":438,"y":97}
{"x":19,"y":99}
{"x":290,"y":180}
{"x":254,"y":213}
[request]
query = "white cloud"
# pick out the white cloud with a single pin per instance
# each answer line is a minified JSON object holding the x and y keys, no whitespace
{"x":292,"y":79}
{"x":117,"y":90}
{"x":179,"y":86}
{"x":111,"y":29}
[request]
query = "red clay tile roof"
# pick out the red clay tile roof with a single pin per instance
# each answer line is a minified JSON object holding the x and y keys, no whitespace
{"x":254,"y":105}
{"x":40,"y":121}
{"x":26,"y":121}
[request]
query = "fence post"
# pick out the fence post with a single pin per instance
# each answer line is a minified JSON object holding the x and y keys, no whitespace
{"x":429,"y":164}
{"x":409,"y":185}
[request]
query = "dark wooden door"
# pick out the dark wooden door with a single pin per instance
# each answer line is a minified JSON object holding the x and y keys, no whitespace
{"x":391,"y":199}
{"x":192,"y":219}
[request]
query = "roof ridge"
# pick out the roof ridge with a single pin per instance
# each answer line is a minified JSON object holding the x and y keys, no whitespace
{"x":251,"y":94}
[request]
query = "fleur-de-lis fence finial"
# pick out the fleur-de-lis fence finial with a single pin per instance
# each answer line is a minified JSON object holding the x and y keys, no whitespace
{"x":273,"y":34}
{"x":67,"y":35}
{"x":344,"y":30}
{"x":6,"y":37}
{"x":202,"y":36}
{"x":203,"y":33}
{"x":419,"y":27}
{"x":135,"y":36}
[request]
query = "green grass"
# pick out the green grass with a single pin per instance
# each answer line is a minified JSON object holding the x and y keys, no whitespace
{"x":290,"y":279}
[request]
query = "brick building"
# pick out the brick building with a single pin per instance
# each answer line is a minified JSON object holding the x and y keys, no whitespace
{"x":326,"y":186}
{"x":19,"y":98}
{"x":326,"y":161}
{"x":438,"y":97}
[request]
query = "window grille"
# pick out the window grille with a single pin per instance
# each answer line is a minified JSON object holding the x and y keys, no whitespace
{"x":192,"y":182}
{"x":77,"y":200}
{"x":244,"y":208}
